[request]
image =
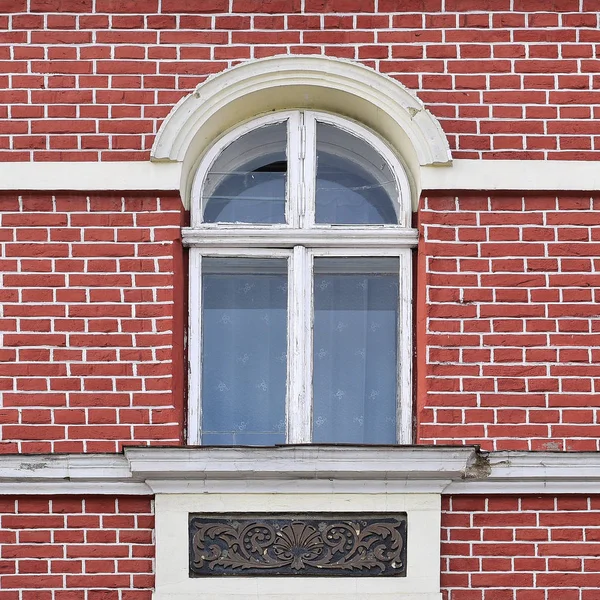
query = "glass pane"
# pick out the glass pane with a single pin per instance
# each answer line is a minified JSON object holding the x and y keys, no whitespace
{"x":355,"y":350}
{"x":244,"y":351}
{"x":247,"y":182}
{"x":355,"y":185}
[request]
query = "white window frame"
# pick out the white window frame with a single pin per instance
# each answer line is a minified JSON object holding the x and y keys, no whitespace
{"x":300,"y":240}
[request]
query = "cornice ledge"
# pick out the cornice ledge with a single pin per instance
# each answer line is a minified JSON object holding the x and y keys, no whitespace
{"x":68,"y":474}
{"x":384,"y":463}
{"x":298,"y":469}
{"x":532,"y":472}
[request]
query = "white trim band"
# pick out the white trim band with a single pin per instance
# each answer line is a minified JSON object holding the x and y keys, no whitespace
{"x":303,"y":469}
{"x":513,"y":175}
{"x":90,"y":176}
{"x":48,"y":474}
{"x":463,"y":174}
{"x":532,"y":473}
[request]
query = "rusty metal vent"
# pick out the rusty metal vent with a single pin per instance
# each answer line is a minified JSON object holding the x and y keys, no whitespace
{"x":309,"y":545}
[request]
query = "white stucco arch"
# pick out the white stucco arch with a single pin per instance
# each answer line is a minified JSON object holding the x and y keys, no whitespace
{"x":301,"y":82}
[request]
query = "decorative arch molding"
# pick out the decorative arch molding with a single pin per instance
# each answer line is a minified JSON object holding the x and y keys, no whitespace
{"x":301,"y":82}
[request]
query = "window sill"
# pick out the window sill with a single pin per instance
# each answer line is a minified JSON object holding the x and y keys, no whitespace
{"x":304,"y":469}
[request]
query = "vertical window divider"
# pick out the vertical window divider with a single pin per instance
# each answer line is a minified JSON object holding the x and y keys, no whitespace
{"x":194,"y":424}
{"x":299,"y":414}
{"x":295,"y":183}
{"x":309,"y":168}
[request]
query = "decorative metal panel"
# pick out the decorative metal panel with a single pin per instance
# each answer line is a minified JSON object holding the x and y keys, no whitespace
{"x":353,"y":545}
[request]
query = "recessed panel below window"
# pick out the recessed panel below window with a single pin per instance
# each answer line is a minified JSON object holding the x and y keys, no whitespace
{"x":355,"y":350}
{"x":244,"y":351}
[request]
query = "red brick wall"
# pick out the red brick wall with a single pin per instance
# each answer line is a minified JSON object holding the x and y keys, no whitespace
{"x":515,"y":79}
{"x":521,"y":548}
{"x":92,"y":322}
{"x":76,"y":548}
{"x":511,"y":321}
{"x":93,"y":318}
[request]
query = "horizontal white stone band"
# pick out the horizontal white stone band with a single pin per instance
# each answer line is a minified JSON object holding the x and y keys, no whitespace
{"x":90,"y":176}
{"x":517,"y":175}
{"x":305,"y":469}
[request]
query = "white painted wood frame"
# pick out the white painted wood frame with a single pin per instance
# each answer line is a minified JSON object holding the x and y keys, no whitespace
{"x":300,"y":240}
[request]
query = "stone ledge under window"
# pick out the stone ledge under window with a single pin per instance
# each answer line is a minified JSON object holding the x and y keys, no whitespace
{"x":301,"y":468}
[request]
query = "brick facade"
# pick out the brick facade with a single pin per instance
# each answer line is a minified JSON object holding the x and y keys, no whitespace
{"x":511,"y":295}
{"x":521,"y":548}
{"x":76,"y":548}
{"x":93,"y":285}
{"x":92,"y":326}
{"x":92,"y":80}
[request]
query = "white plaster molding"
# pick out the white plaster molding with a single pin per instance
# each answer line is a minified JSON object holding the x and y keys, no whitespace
{"x":463,"y":174}
{"x":517,"y":175}
{"x":297,"y":486}
{"x":90,"y":176}
{"x":272,"y":74}
{"x":303,"y":470}
{"x":532,"y":473}
{"x":294,"y":463}
{"x":338,"y":86}
{"x":68,"y":474}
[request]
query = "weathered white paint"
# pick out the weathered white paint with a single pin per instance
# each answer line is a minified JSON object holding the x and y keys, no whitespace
{"x":423,"y":556}
{"x":68,"y":474}
{"x":301,"y":462}
{"x":352,"y":238}
{"x":255,"y":81}
{"x":404,"y":417}
{"x":535,"y":473}
{"x":194,"y":337}
{"x":299,"y":406}
{"x":402,"y":204}
{"x":303,"y":470}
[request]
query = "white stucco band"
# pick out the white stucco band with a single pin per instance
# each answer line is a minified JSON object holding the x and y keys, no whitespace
{"x":520,"y":176}
{"x":318,"y":83}
{"x":303,"y":469}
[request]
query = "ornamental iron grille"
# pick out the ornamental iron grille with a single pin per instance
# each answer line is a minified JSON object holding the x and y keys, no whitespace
{"x":309,"y":545}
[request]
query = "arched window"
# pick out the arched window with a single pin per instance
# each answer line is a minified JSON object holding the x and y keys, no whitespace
{"x":300,"y":297}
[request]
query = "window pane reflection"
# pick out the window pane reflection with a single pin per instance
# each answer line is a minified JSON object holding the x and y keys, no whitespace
{"x":355,"y":185}
{"x":355,"y":350}
{"x":244,"y":351}
{"x":247,"y":182}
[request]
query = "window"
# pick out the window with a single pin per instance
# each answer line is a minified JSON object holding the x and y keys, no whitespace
{"x":300,"y":295}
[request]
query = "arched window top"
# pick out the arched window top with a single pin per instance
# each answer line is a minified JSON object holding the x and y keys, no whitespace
{"x":314,"y":83}
{"x":301,"y":169}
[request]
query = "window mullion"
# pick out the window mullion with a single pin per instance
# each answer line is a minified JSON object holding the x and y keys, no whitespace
{"x":309,"y":167}
{"x":299,"y":414}
{"x":295,"y":184}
